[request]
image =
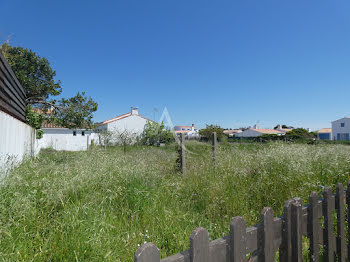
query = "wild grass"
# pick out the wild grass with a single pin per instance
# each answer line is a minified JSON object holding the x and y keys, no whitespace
{"x":97,"y":206}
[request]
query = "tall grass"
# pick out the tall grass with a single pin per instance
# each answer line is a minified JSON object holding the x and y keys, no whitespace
{"x":96,"y":206}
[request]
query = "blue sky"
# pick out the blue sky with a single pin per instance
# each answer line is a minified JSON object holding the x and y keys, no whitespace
{"x":232,"y":63}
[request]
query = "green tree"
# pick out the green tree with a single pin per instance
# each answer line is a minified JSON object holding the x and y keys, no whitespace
{"x":207,"y":132}
{"x":38,"y":80}
{"x":155,"y":133}
{"x":300,"y":134}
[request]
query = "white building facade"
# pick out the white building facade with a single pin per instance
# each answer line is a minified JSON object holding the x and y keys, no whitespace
{"x":189,"y":131}
{"x":131,"y":123}
{"x":341,"y":129}
{"x":65,"y":139}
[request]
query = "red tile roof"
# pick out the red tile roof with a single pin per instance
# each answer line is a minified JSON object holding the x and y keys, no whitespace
{"x":268,"y":131}
{"x":121,"y":117}
{"x":325,"y":130}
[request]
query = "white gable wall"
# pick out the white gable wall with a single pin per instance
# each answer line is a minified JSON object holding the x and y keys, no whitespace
{"x":338,"y":129}
{"x":133,"y":124}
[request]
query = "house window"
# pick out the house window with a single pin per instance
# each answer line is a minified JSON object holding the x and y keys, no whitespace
{"x":74,"y":133}
{"x":83,"y":133}
{"x":342,"y":124}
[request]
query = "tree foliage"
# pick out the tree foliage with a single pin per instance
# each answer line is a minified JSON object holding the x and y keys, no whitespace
{"x":155,"y":133}
{"x":208,"y":131}
{"x":38,"y":80}
{"x":300,"y":133}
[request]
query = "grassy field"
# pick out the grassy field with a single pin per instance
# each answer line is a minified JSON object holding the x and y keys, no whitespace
{"x":98,"y":206}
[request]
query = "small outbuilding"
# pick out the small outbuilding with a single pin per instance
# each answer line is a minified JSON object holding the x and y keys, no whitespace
{"x":60,"y":138}
{"x":324,"y":134}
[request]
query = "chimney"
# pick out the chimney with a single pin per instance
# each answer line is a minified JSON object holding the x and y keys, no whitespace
{"x":134,"y":111}
{"x":255,"y":126}
{"x":192,"y":128}
{"x":279,"y":127}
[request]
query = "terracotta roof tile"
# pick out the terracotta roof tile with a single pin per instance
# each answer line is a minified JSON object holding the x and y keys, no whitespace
{"x":268,"y":131}
{"x":325,"y":130}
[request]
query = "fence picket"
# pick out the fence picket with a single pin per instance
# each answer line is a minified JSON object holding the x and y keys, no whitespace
{"x":296,"y":233}
{"x":314,"y":227}
{"x":238,"y":239}
{"x":286,"y":246}
{"x":147,"y":253}
{"x":199,"y":245}
{"x":264,"y":239}
{"x":348,"y":203}
{"x":341,"y":241}
{"x":328,"y":236}
{"x":266,"y":236}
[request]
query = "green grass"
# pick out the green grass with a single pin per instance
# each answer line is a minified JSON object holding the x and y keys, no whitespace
{"x":97,"y":206}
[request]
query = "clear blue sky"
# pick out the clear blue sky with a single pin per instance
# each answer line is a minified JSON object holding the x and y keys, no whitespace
{"x":232,"y":63}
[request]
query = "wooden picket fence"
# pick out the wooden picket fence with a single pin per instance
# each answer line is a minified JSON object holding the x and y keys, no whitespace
{"x":283,"y":234}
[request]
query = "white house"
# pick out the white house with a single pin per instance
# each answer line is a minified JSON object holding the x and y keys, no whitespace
{"x":189,"y":131}
{"x":341,"y":129}
{"x":255,"y":132}
{"x":232,"y":132}
{"x":131,"y":122}
{"x":284,"y":130}
{"x":66,"y":139}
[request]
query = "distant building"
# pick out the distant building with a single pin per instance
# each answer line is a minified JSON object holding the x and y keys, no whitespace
{"x":232,"y":132}
{"x":284,"y":130}
{"x":256,"y":132}
{"x":189,"y":131}
{"x":132,"y":122}
{"x":325,"y":134}
{"x":60,"y":138}
{"x":341,"y":129}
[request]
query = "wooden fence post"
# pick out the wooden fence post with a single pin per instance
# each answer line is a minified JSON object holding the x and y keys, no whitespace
{"x":286,"y":246}
{"x":297,"y":252}
{"x":214,"y":147}
{"x":348,"y":203}
{"x":147,"y":253}
{"x":341,"y":241}
{"x":314,"y":227}
{"x":267,"y":235}
{"x":328,"y":235}
{"x":238,"y":240}
{"x":183,"y":154}
{"x":199,"y":245}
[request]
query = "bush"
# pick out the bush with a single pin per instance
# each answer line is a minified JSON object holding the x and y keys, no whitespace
{"x":155,"y":134}
{"x":207,"y":133}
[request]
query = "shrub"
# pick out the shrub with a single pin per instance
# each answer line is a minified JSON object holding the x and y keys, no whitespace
{"x":155,"y":134}
{"x":207,"y":133}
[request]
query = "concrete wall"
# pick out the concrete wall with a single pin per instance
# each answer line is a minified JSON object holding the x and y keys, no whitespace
{"x":63,"y":139}
{"x":337,"y":129}
{"x":17,"y":140}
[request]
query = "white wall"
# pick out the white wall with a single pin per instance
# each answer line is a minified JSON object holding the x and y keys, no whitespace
{"x":17,"y":140}
{"x":133,"y":124}
{"x":63,"y":139}
{"x":337,"y":129}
